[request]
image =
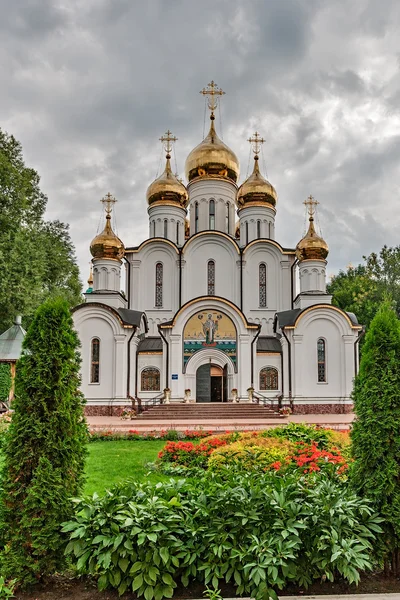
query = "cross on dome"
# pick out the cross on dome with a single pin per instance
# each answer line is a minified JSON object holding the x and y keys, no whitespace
{"x":167,"y":140}
{"x":108,"y":202}
{"x":311,"y":205}
{"x":212,"y":91}
{"x":256,"y":140}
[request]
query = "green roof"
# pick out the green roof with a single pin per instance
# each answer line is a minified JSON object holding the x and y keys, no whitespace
{"x":11,"y":342}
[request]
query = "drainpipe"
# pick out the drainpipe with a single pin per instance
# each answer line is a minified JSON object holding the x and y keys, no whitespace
{"x":292,"y":280}
{"x":180,"y":277}
{"x":241,"y":279}
{"x":128,"y":285}
{"x":166,"y":357}
{"x":128,"y":370}
{"x":356,"y":348}
{"x":252,"y":354}
{"x":282,"y":378}
{"x":289,"y":367}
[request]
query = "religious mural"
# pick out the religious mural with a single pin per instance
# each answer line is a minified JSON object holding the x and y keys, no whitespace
{"x":209,"y":329}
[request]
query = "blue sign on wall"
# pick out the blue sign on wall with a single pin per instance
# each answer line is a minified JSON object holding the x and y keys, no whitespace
{"x":174,"y":376}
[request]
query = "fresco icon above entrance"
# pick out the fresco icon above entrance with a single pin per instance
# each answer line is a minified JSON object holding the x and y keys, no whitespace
{"x":209,"y":329}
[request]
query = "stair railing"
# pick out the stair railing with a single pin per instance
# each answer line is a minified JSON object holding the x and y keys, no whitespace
{"x":259,"y":398}
{"x":144,"y":405}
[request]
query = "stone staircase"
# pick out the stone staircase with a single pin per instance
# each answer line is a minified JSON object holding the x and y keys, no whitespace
{"x":217,"y":411}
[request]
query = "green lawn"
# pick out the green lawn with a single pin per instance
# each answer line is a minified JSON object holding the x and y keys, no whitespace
{"x":112,"y":462}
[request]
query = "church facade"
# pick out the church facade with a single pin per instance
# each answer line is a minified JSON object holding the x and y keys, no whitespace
{"x":211,"y":310}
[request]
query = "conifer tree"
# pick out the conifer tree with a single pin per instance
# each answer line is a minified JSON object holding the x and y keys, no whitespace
{"x":46,"y":447}
{"x":376,"y":431}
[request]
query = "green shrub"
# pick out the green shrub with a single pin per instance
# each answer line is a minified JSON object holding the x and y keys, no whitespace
{"x":301,"y":432}
{"x":252,"y":453}
{"x":45,"y":447}
{"x":376,"y":430}
{"x":258,"y":531}
{"x":5,"y":381}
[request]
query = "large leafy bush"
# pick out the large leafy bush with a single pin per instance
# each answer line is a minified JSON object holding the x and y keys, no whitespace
{"x":259,"y":531}
{"x":252,"y":453}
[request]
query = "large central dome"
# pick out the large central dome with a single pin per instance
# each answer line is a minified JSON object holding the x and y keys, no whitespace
{"x":212,"y":158}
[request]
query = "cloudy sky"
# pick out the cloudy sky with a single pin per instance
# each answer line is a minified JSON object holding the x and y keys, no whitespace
{"x":88,"y":87}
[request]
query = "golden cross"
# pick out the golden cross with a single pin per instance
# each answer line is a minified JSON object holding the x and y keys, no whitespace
{"x":256,"y":142}
{"x":108,"y":202}
{"x":311,"y":205}
{"x":212,"y":90}
{"x":167,"y":139}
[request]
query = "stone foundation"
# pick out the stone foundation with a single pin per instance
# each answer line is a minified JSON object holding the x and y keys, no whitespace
{"x":322,"y":409}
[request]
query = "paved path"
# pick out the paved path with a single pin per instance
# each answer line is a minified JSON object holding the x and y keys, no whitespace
{"x":115,"y":423}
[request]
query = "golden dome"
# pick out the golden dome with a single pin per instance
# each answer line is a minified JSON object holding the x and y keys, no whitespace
{"x":256,"y":189}
{"x":167,"y":188}
{"x":107,"y":244}
{"x":312,"y":247}
{"x":212,"y":158}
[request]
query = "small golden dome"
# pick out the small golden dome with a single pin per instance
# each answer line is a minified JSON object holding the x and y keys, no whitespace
{"x":256,"y":189}
{"x":167,"y":188}
{"x":212,"y":158}
{"x":312,"y":247}
{"x":107,"y":244}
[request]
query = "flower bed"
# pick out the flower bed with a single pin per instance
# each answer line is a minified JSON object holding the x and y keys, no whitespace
{"x":295,"y":447}
{"x":133,"y":434}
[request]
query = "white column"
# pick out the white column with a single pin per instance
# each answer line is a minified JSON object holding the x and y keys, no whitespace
{"x":120,"y":366}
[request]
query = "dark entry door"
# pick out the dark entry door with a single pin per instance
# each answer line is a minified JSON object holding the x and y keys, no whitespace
{"x":203,"y":383}
{"x":225,"y":376}
{"x":216,"y":389}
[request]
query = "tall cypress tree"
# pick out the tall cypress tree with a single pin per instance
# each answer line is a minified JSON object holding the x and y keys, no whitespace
{"x":376,"y":431}
{"x":46,"y":447}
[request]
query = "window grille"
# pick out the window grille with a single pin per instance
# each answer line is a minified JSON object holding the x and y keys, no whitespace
{"x":150,"y":380}
{"x":159,"y":285}
{"x":211,"y":278}
{"x":321,"y":362}
{"x":262,"y":285}
{"x":95,"y":361}
{"x":268,"y":379}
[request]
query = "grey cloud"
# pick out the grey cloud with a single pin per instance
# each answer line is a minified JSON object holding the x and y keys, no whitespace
{"x":89,"y":87}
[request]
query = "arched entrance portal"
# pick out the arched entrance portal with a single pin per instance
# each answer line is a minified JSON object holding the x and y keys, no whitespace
{"x":212,"y":383}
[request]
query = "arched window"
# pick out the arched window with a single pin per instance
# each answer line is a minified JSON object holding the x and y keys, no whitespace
{"x":177,"y":233}
{"x":196,"y":217}
{"x":247,"y":233}
{"x":150,"y":380}
{"x":211,"y":213}
{"x":228,"y":218}
{"x":159,"y":285}
{"x":95,"y":361}
{"x":268,"y":379}
{"x":321,"y":358}
{"x":211,"y":278}
{"x":258,"y":229}
{"x":165,"y":228}
{"x":262,"y":285}
{"x":154,"y":229}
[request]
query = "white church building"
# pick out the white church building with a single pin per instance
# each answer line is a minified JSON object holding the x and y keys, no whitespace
{"x":210,"y":310}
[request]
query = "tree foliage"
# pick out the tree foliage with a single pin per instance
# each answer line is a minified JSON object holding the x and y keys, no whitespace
{"x":45,"y":448}
{"x":376,"y":431}
{"x":361,"y":289}
{"x":37,"y":258}
{"x":5,"y":381}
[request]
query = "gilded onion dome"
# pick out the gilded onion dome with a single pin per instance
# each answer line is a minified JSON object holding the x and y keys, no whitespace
{"x":312,"y":246}
{"x":256,"y":189}
{"x":167,"y":188}
{"x":212,"y":158}
{"x":107,"y":244}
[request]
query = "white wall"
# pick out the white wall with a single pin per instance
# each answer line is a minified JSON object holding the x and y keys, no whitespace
{"x":198,"y":252}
